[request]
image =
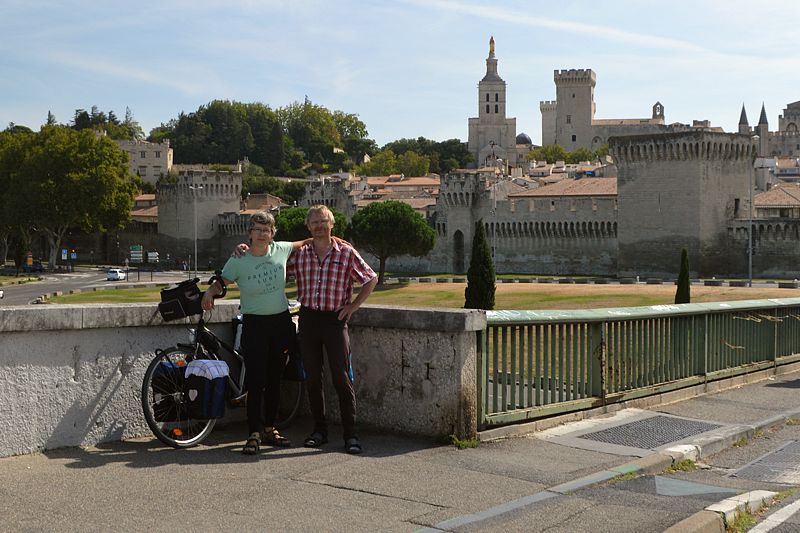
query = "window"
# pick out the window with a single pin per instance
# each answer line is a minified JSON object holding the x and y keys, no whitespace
{"x":495,"y":108}
{"x":158,"y":154}
{"x":142,"y":154}
{"x":569,"y":119}
{"x":574,"y":138}
{"x":487,"y":97}
{"x":487,"y":108}
{"x":573,"y":95}
{"x":495,"y":97}
{"x":142,"y":171}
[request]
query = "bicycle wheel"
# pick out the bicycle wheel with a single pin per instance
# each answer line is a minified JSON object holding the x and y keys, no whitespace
{"x":291,"y":395}
{"x":164,"y":401}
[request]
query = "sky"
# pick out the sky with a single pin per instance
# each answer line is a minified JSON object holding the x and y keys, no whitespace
{"x":407,"y":68}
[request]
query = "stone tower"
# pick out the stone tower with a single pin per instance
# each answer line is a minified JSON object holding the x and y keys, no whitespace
{"x":576,"y":107}
{"x":680,"y":190}
{"x":762,"y":130}
{"x":744,"y":126}
{"x":491,"y":134}
{"x":548,"y":110}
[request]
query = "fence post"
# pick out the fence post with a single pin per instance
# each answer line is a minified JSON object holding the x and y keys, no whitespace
{"x":597,"y":359}
{"x":481,"y":372}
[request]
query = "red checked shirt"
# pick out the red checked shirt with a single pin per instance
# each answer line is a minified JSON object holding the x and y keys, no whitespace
{"x":327,"y":285}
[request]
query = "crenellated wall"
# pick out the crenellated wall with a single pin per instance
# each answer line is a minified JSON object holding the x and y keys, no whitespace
{"x":201,"y":194}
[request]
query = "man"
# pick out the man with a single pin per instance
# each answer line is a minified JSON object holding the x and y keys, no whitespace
{"x":325,"y":270}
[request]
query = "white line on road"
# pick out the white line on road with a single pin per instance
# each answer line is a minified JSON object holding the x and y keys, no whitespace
{"x":777,"y":518}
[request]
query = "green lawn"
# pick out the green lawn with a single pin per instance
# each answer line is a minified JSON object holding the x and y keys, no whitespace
{"x":508,"y":296}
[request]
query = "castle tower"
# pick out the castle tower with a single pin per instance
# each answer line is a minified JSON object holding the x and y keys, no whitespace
{"x":744,"y":126}
{"x":491,"y":135}
{"x":763,"y":133}
{"x":576,"y":107}
{"x":548,"y":110}
{"x":658,"y":111}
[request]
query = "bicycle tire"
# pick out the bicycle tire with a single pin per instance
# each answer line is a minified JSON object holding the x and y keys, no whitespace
{"x":167,"y":401}
{"x":292,"y":393}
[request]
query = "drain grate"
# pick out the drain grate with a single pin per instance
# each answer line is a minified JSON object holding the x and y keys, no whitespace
{"x":779,"y":466}
{"x":651,"y":432}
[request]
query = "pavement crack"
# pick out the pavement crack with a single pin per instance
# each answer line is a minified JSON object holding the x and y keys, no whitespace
{"x":370,"y":492}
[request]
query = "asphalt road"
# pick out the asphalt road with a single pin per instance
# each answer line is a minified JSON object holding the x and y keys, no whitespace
{"x":82,"y":279}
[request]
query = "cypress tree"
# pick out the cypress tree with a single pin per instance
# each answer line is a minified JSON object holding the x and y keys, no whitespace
{"x":682,"y":295}
{"x":479,"y":293}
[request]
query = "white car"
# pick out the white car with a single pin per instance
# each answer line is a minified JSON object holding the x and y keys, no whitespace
{"x":115,"y":274}
{"x":2,"y":294}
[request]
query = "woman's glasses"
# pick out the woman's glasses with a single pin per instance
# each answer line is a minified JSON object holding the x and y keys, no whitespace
{"x":262,"y":231}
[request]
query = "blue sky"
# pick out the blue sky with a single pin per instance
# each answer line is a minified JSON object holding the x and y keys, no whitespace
{"x":408,"y":68}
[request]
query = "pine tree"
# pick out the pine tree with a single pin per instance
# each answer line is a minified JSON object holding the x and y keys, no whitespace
{"x":682,"y":295}
{"x":480,"y":290}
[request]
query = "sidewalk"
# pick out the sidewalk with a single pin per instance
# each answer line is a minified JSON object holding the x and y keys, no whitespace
{"x":530,"y":483}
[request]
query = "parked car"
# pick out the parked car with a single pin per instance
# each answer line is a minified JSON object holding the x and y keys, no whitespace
{"x":35,"y":267}
{"x":2,"y":294}
{"x":115,"y":274}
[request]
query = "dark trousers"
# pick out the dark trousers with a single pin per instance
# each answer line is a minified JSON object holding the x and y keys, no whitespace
{"x":320,"y":329}
{"x":266,"y":343}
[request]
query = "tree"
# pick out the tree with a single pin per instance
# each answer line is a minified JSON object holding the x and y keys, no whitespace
{"x":389,"y":229}
{"x":384,"y":163}
{"x":412,"y":164}
{"x":682,"y":294}
{"x":549,"y":152}
{"x":480,"y":290}
{"x":73,"y":179}
{"x":291,"y":224}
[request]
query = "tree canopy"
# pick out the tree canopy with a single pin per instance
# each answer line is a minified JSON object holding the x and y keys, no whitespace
{"x":61,"y":178}
{"x":480,"y":290}
{"x":553,"y":152}
{"x":389,"y":229}
{"x":291,"y":224}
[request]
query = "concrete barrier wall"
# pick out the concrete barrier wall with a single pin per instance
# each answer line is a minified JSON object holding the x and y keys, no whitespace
{"x":72,"y":375}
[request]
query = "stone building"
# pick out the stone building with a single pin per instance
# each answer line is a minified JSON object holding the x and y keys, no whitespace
{"x":569,"y":120}
{"x":492,"y":135}
{"x":148,"y":160}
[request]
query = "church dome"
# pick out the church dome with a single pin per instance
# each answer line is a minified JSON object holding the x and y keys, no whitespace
{"x":523,"y":138}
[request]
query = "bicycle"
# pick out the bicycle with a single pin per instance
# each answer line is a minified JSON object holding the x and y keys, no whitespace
{"x":165,"y":399}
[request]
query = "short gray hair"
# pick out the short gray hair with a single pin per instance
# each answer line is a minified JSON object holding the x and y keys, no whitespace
{"x":261,"y":217}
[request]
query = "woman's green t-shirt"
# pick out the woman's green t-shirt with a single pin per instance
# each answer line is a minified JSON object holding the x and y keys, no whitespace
{"x":261,"y":279}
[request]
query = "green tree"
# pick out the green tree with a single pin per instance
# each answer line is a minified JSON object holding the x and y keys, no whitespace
{"x":412,"y":164}
{"x":549,"y":152}
{"x":15,"y":219}
{"x":291,"y":224}
{"x":389,"y":229}
{"x":384,"y":163}
{"x":480,"y":290}
{"x":73,"y":179}
{"x":580,"y":154}
{"x":682,"y":293}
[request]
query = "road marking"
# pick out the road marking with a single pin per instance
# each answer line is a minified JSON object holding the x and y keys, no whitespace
{"x":777,"y":518}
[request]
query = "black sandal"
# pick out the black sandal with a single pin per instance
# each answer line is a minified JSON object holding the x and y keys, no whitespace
{"x":252,"y":444}
{"x":353,"y":446}
{"x":274,"y":438}
{"x":315,"y":440}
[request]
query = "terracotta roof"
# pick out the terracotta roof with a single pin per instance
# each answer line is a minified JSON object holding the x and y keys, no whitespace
{"x":145,"y":198}
{"x":781,"y":195}
{"x":572,"y":187}
{"x":145,"y":212}
{"x":416,"y":203}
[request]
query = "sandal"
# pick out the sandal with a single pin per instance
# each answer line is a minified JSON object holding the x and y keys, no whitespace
{"x":353,"y":446}
{"x":315,"y":440}
{"x":252,"y":444}
{"x":274,"y":438}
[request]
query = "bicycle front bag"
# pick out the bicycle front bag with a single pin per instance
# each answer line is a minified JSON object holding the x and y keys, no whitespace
{"x":181,"y":300}
{"x":206,"y":385}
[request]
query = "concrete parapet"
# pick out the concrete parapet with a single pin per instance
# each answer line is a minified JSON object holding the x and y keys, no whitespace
{"x":71,"y":375}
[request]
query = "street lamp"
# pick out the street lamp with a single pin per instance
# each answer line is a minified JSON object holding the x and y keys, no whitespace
{"x":194,"y":189}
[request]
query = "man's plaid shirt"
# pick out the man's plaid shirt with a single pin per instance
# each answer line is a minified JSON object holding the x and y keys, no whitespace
{"x":327,"y":285}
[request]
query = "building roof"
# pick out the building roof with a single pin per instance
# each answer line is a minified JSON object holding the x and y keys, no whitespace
{"x":145,"y":214}
{"x":763,"y":118}
{"x":780,"y":195}
{"x":145,"y":198}
{"x":743,"y":117}
{"x":573,"y":187}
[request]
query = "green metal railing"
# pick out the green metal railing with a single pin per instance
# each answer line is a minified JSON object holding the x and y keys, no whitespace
{"x":539,"y":363}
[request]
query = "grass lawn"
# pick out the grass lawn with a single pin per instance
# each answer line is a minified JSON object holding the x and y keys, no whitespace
{"x":508,"y":296}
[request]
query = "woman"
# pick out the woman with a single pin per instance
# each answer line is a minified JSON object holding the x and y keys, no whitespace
{"x":267,"y":325}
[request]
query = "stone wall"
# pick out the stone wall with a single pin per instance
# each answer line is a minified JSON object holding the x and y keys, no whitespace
{"x":71,"y":375}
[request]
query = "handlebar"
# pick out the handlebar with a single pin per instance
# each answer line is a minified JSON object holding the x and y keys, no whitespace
{"x":218,"y":277}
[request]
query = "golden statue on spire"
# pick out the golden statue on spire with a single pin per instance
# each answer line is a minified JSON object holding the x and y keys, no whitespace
{"x":491,"y":45}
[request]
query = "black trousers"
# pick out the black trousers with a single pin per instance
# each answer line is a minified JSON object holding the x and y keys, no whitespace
{"x":320,"y":329}
{"x":266,"y":343}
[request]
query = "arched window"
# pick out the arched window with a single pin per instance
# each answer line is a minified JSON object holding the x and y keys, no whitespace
{"x":487,"y":97}
{"x":495,"y":108}
{"x":496,"y":97}
{"x":487,"y":108}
